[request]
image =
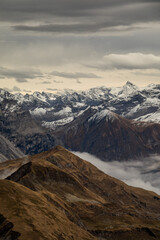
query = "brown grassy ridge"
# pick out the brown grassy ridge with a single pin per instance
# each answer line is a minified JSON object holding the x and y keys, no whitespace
{"x":57,"y":195}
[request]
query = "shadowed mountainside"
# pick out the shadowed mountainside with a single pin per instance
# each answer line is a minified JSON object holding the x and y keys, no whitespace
{"x":57,"y":195}
{"x":110,"y":136}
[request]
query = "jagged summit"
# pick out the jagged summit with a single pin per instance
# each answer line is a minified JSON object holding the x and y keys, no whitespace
{"x":128,"y":83}
{"x":129,"y":89}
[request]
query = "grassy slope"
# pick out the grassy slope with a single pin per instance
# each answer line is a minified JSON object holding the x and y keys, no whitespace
{"x":62,"y":196}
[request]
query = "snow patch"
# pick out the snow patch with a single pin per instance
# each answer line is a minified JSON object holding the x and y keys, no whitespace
{"x":38,"y":111}
{"x":64,"y":111}
{"x":151,"y":117}
{"x":79,"y":104}
{"x":52,"y":125}
{"x":108,"y":115}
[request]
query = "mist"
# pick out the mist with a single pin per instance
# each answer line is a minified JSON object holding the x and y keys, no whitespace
{"x":143,"y":173}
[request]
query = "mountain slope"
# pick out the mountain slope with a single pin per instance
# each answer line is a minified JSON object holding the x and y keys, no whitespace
{"x":57,"y":195}
{"x":8,"y":150}
{"x":25,"y":132}
{"x":110,"y":136}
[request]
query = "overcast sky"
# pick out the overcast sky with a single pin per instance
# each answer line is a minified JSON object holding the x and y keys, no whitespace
{"x":56,"y":44}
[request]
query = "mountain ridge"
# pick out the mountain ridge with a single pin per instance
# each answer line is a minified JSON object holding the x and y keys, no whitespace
{"x":110,"y":136}
{"x":74,"y":200}
{"x":31,"y":122}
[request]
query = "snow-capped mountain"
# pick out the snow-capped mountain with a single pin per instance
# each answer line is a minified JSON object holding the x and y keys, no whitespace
{"x":142,"y":104}
{"x":33,"y":121}
{"x":109,"y":136}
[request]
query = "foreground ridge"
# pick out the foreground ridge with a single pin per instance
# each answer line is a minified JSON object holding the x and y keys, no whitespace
{"x":57,"y":195}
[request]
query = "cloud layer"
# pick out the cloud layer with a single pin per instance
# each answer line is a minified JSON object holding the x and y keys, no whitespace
{"x":143,"y":173}
{"x":19,"y":75}
{"x":74,"y":16}
{"x":76,"y":75}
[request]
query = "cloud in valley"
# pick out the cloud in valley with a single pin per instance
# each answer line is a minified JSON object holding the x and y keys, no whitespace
{"x":143,"y":173}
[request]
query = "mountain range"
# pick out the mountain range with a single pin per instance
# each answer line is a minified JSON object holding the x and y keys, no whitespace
{"x":112,"y":123}
{"x":56,"y":195}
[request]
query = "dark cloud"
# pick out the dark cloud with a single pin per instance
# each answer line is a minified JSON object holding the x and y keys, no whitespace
{"x":19,"y":76}
{"x":91,"y":16}
{"x":79,"y":28}
{"x":76,"y":75}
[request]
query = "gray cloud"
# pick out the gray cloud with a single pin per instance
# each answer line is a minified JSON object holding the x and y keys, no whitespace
{"x":20,"y":76}
{"x":79,"y":16}
{"x":142,"y":173}
{"x":57,"y":81}
{"x":27,"y":91}
{"x":45,"y":82}
{"x":14,"y":89}
{"x":52,"y":89}
{"x":78,"y":33}
{"x":155,"y":74}
{"x":76,"y":75}
{"x":79,"y":27}
{"x":129,"y":61}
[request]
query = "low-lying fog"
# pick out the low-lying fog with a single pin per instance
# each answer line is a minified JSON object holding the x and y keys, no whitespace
{"x":143,"y":173}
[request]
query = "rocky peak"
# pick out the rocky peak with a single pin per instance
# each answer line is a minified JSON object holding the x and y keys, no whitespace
{"x":103,"y":114}
{"x":4,"y":94}
{"x":129,"y":88}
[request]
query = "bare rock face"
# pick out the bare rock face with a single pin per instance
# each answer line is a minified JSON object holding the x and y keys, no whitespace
{"x":6,"y":232}
{"x":25,"y":132}
{"x":8,"y":150}
{"x":57,"y":195}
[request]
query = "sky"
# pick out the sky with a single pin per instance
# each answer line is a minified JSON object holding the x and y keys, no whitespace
{"x":56,"y":44}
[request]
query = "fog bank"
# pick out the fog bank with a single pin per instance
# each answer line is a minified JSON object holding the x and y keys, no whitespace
{"x":143,"y":173}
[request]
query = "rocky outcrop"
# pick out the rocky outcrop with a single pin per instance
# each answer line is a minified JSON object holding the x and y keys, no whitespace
{"x":26,"y":133}
{"x":6,"y":232}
